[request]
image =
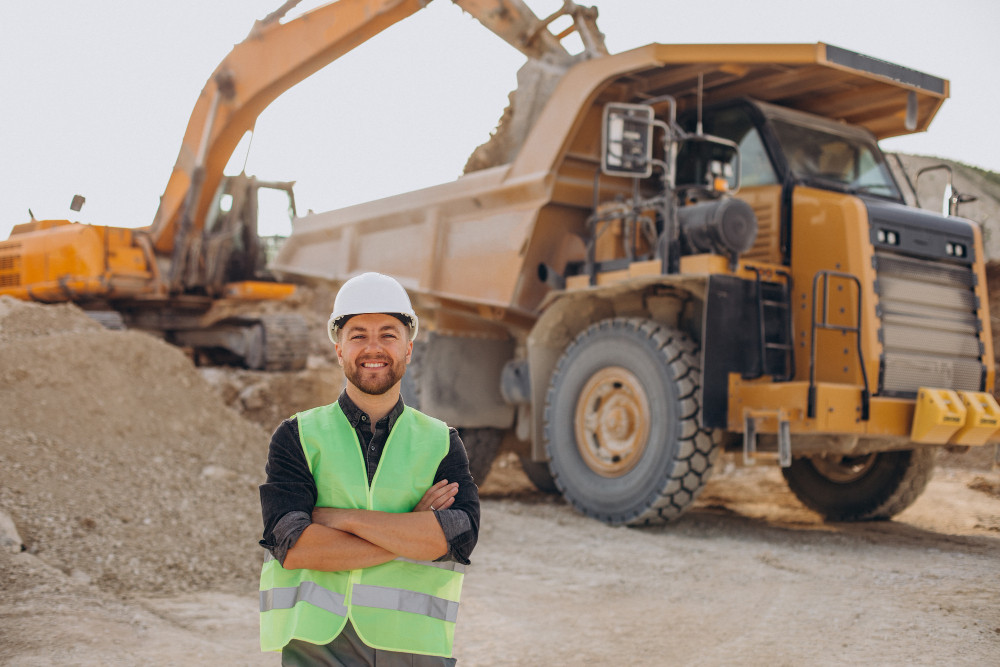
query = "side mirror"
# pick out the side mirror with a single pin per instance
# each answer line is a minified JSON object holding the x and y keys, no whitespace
{"x":627,"y":146}
{"x":952,"y":198}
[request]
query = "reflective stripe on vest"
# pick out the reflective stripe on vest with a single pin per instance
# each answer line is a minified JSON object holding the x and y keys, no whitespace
{"x":307,"y":591}
{"x":397,"y":599}
{"x":402,"y":605}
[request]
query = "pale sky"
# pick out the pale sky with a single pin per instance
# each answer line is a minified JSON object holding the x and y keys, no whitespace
{"x":96,"y":94}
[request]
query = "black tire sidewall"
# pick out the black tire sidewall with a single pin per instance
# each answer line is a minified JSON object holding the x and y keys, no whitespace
{"x":539,"y":474}
{"x":481,"y":445}
{"x":857,"y":499}
{"x":613,"y":499}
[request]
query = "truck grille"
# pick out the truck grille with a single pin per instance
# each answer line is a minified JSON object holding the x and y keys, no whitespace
{"x":929,"y":326}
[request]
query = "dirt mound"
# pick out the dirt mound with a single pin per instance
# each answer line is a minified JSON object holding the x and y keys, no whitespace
{"x":20,"y":321}
{"x":267,"y":398}
{"x":122,"y":466}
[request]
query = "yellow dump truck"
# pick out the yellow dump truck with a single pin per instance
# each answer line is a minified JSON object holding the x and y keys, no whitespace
{"x":696,"y":247}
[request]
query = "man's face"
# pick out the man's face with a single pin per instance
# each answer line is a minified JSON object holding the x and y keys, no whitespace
{"x":373,"y":351}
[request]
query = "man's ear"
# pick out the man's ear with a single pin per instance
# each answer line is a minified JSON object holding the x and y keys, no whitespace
{"x":340,"y":357}
{"x":409,"y":350}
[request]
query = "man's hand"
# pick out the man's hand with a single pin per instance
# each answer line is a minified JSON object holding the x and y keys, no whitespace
{"x":439,"y":497}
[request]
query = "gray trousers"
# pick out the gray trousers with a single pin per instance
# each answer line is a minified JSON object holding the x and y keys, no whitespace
{"x":347,"y":650}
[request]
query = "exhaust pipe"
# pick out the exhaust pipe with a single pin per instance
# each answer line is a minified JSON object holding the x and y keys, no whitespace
{"x":550,"y":277}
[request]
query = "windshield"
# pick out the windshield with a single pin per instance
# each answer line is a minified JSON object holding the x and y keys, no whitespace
{"x":825,"y":158}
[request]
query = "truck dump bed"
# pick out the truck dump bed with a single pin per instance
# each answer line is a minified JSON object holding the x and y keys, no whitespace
{"x":479,"y":240}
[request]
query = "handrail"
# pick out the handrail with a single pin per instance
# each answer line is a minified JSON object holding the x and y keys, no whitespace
{"x":825,"y":324}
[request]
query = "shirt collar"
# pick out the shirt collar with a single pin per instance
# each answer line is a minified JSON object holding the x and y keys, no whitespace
{"x":354,"y":413}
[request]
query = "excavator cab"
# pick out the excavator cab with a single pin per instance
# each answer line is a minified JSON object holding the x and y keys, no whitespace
{"x":233,"y":246}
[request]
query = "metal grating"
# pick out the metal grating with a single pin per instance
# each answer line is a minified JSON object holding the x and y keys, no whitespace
{"x":929,"y":325}
{"x":10,"y":265}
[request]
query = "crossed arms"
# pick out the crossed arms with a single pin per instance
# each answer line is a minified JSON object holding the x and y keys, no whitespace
{"x":349,"y":539}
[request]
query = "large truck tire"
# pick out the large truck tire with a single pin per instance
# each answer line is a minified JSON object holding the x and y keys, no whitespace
{"x":539,"y":474}
{"x":869,"y":487}
{"x":481,"y":444}
{"x":622,"y":423}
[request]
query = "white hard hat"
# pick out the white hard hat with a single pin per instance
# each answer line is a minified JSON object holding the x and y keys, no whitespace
{"x":371,"y":293}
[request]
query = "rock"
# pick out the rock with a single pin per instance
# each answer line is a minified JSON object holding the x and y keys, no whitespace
{"x":218,"y":472}
{"x":254,"y":397}
{"x":10,"y":539}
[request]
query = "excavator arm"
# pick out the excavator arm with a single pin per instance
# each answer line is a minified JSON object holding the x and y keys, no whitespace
{"x":275,"y":56}
{"x":515,"y":23}
{"x":192,"y":276}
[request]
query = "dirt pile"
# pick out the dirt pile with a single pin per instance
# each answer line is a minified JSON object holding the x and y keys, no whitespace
{"x":121,"y":466}
{"x":267,"y":398}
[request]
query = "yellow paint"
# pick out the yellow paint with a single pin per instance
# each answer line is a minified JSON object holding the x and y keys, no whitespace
{"x":765,"y":200}
{"x":62,"y":261}
{"x":939,"y":414}
{"x":612,"y":277}
{"x":255,"y":290}
{"x":982,"y":420}
{"x":650,"y":267}
{"x":831,"y":234}
{"x":704,"y":264}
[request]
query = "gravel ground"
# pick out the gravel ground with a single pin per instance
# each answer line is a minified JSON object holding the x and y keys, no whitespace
{"x":133,"y":488}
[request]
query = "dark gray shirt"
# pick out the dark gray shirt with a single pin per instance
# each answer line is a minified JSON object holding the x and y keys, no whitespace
{"x":288,"y":496}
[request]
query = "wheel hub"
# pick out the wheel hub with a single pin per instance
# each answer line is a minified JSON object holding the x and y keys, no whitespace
{"x":843,"y":469}
{"x":612,"y":421}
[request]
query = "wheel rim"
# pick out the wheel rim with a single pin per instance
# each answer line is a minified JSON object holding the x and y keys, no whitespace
{"x":612,"y":422}
{"x":843,"y":469}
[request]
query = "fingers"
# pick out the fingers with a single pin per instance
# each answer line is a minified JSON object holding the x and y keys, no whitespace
{"x":444,"y":504}
{"x":438,"y":497}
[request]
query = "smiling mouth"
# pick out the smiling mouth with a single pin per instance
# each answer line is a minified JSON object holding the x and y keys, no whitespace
{"x":374,"y":364}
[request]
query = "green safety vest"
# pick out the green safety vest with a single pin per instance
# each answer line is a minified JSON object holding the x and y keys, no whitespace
{"x":403,"y":605}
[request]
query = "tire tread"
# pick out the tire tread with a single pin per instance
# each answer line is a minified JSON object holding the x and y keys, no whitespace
{"x":677,"y":491}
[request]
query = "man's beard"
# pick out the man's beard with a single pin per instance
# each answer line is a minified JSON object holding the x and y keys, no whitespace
{"x":375,"y":386}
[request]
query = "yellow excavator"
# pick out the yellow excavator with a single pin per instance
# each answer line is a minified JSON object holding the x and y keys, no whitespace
{"x":194,"y":275}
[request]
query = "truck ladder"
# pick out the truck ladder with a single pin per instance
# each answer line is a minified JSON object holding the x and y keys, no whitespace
{"x":775,"y":308}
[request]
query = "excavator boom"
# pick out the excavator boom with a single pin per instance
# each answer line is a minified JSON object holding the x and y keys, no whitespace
{"x":274,"y":57}
{"x":192,"y":274}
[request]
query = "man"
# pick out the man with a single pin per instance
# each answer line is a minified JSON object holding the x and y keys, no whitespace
{"x":370,"y":512}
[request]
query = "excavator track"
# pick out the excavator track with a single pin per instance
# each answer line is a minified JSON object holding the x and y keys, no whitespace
{"x":279,"y":343}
